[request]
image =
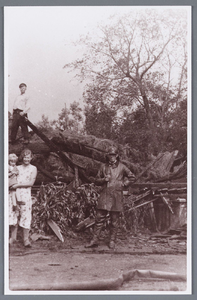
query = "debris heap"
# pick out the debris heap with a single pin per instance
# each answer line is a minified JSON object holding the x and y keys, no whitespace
{"x":66,"y":208}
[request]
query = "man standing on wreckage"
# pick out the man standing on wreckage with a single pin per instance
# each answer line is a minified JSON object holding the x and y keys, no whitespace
{"x":113,"y":176}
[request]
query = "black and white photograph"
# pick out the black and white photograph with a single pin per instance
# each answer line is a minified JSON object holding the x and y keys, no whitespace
{"x":97,"y":150}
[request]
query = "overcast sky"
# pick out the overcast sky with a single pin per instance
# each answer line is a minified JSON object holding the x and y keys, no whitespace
{"x":38,"y":43}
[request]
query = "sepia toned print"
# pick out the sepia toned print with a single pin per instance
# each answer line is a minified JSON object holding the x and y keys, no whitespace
{"x":98,"y":148}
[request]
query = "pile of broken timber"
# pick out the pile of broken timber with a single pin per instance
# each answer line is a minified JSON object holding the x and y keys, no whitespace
{"x":145,"y":194}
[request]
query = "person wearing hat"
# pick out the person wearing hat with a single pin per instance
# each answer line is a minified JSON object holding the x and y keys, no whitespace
{"x":113,"y":176}
{"x":20,"y":110}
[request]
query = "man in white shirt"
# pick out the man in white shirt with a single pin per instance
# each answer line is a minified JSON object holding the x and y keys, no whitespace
{"x":20,"y":110}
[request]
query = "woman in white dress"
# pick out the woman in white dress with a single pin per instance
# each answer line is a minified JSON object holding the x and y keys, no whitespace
{"x":22,"y":217}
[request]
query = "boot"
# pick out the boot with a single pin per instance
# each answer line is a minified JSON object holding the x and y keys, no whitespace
{"x":100,"y":218}
{"x":114,"y":229}
{"x":111,"y":245}
{"x":14,"y":230}
{"x":93,"y":243}
{"x":113,"y":234}
{"x":26,"y":240}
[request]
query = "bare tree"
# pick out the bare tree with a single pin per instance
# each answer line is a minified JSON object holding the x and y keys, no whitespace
{"x":130,"y":50}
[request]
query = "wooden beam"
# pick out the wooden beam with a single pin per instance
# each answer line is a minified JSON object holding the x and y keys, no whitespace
{"x":159,"y":185}
{"x":142,"y":204}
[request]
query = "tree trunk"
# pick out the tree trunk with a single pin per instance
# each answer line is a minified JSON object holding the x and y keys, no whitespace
{"x":148,"y":112}
{"x":79,"y":148}
{"x":152,"y":128}
{"x":36,"y":148}
{"x":65,"y":145}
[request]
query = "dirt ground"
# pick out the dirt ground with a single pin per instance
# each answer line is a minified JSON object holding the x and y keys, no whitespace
{"x":51,"y":263}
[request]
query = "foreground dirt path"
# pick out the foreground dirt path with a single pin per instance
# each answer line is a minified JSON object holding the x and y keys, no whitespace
{"x":47,"y":263}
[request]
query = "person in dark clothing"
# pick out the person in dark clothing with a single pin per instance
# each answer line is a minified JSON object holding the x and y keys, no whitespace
{"x":20,"y":110}
{"x":113,"y":176}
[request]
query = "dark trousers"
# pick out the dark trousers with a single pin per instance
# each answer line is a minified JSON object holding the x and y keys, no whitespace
{"x":18,"y":121}
{"x":99,"y":222}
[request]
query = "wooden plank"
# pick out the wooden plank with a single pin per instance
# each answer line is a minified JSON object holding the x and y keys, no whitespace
{"x":152,"y":215}
{"x":167,"y":201}
{"x":139,"y":197}
{"x":159,"y":185}
{"x":56,"y":230}
{"x":173,"y":191}
{"x":142,"y":204}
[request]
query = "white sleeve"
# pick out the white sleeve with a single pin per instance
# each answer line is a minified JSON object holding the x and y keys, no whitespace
{"x":27,"y":106}
{"x":15,"y":103}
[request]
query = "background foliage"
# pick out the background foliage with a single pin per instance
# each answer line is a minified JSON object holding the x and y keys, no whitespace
{"x":136,"y":83}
